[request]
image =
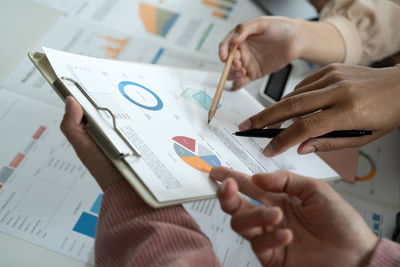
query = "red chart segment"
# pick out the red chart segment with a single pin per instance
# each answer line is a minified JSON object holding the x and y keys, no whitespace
{"x":201,"y":158}
{"x":187,"y":142}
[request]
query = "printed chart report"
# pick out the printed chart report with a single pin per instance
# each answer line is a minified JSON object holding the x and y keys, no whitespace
{"x":47,"y":196}
{"x":150,"y":113}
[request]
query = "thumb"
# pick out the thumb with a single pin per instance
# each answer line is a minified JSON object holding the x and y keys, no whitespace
{"x":243,"y":30}
{"x":286,"y":182}
{"x":330,"y":144}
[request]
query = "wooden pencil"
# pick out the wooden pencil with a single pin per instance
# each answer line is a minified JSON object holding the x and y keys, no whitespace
{"x":221,"y":84}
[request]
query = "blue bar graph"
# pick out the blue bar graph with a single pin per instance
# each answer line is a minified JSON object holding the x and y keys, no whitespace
{"x":96,"y":206}
{"x":157,"y":56}
{"x":86,"y":225}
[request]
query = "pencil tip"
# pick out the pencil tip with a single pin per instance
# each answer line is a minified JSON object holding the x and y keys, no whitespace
{"x":209,"y":121}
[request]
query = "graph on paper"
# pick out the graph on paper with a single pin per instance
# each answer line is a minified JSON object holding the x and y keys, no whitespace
{"x":148,"y":99}
{"x":221,"y":8}
{"x":156,"y":20}
{"x":198,"y":97}
{"x":195,"y":155}
{"x":87,"y":221}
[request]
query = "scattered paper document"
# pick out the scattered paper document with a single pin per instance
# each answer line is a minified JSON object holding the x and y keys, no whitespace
{"x":177,"y":147}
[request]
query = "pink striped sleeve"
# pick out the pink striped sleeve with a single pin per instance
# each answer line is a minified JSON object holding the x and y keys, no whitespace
{"x":130,"y":233}
{"x":387,"y":254}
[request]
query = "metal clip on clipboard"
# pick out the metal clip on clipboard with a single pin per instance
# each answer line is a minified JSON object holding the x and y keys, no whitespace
{"x":114,"y":120}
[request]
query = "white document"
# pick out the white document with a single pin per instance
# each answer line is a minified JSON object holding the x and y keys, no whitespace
{"x":378,"y":172}
{"x":73,"y":35}
{"x":379,"y":217}
{"x":197,"y":26}
{"x":163,"y":113}
{"x":47,"y":196}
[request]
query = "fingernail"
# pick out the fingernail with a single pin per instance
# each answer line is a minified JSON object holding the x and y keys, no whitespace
{"x":269,"y":151}
{"x":237,"y":84}
{"x":67,"y":104}
{"x":244,"y":126}
{"x":307,"y":150}
{"x":238,"y":74}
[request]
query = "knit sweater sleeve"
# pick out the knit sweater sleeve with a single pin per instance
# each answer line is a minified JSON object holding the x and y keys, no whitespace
{"x":387,"y":254}
{"x":130,"y":233}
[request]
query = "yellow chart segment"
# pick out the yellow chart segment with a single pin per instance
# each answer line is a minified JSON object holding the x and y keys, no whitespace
{"x":197,"y":163}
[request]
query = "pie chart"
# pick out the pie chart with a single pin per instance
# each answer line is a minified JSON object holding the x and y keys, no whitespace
{"x":194,"y":154}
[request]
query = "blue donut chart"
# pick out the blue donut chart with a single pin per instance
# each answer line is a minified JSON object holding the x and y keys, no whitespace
{"x":158,"y":106}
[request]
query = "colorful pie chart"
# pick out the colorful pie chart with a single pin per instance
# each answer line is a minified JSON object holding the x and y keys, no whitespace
{"x":194,"y":154}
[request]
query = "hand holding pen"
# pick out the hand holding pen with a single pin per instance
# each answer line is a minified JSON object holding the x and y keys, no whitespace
{"x":336,"y":97}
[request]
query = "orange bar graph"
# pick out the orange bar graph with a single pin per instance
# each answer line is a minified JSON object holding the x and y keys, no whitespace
{"x":114,"y":46}
{"x":218,"y":14}
{"x":210,"y":3}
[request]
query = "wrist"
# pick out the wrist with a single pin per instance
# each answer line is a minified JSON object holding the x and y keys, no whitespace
{"x":365,"y":255}
{"x":320,"y":42}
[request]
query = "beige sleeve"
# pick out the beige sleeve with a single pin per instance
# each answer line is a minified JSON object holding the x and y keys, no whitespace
{"x":370,"y":28}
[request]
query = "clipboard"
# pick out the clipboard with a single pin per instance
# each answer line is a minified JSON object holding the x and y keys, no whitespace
{"x":113,"y":153}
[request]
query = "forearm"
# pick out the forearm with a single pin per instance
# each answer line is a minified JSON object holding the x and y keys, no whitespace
{"x":321,"y":42}
{"x":130,"y":233}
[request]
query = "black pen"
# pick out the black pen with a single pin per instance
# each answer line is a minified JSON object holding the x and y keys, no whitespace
{"x":271,"y":133}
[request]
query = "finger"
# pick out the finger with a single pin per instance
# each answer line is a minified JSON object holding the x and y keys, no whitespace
{"x":289,"y":108}
{"x":243,"y":181}
{"x":71,"y":123}
{"x":236,"y":63}
{"x":314,"y":76}
{"x":330,"y":144}
{"x":286,"y":182}
{"x":279,"y":238}
{"x":224,"y":46}
{"x":243,"y":30}
{"x":240,"y":83}
{"x":71,"y":126}
{"x":257,"y":217}
{"x":228,"y":197}
{"x":233,"y":204}
{"x":303,"y":129}
{"x":327,"y":81}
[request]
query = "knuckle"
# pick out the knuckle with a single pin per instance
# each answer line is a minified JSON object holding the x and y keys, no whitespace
{"x":239,"y":28}
{"x":257,"y":120}
{"x":336,"y":76}
{"x":325,"y":147}
{"x":234,"y":224}
{"x":63,"y":127}
{"x":307,"y":125}
{"x":292,"y":103}
{"x":278,"y":142}
{"x":347,"y":85}
{"x":333,"y":67}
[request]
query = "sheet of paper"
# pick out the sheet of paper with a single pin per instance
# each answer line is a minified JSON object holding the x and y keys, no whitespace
{"x":378,"y":172}
{"x":197,"y":26}
{"x":73,"y":35}
{"x":47,"y":196}
{"x":148,"y":99}
{"x":231,"y":249}
{"x":379,"y":217}
{"x":71,"y":7}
